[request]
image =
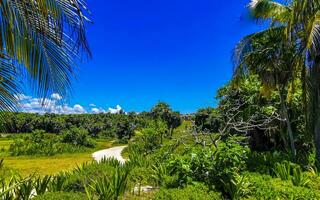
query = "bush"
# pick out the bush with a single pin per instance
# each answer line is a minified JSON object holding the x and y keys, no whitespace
{"x":146,"y":141}
{"x":210,"y":165}
{"x":198,"y":192}
{"x":266,"y":187}
{"x":40,"y":143}
{"x":60,"y":196}
{"x":83,"y":175}
{"x":77,"y":137}
{"x":265,"y":162}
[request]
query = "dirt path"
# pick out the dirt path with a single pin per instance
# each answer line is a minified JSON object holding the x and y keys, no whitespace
{"x":114,"y":152}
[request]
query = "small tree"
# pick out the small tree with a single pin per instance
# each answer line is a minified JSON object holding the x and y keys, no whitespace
{"x":164,"y":112}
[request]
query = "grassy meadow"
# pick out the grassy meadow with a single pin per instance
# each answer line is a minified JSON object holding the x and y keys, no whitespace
{"x":45,"y":165}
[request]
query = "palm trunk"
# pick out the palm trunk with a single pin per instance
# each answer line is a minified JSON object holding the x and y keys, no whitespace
{"x":287,"y":120}
{"x":317,"y":136}
{"x":314,"y":119}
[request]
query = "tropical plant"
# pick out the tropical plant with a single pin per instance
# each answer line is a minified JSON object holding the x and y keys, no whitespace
{"x":283,"y":170}
{"x":299,"y":178}
{"x":190,"y":192}
{"x":299,"y":21}
{"x":58,"y":182}
{"x":159,"y":173}
{"x":108,"y":188}
{"x":237,"y":187}
{"x":42,"y":184}
{"x":274,"y":61}
{"x":40,"y":40}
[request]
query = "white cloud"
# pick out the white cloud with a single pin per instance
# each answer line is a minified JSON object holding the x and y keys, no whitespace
{"x":54,"y":105}
{"x":97,"y":110}
{"x":115,"y":110}
{"x":79,"y":109}
{"x":92,"y":105}
{"x":56,"y":96}
{"x":48,"y":105}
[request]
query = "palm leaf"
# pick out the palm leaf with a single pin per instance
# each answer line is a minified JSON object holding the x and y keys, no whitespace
{"x":42,"y":40}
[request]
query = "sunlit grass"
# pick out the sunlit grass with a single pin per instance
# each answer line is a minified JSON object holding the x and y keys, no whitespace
{"x":45,"y":165}
{"x":27,"y":165}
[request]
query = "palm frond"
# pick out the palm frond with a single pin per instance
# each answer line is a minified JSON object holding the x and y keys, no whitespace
{"x":245,"y":47}
{"x":267,"y":9}
{"x":45,"y":39}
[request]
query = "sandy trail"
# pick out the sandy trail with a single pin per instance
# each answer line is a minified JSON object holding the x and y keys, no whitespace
{"x":114,"y":152}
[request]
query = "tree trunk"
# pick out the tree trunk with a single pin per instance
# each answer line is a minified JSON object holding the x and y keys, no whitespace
{"x":287,"y":120}
{"x":170,"y":132}
{"x":314,"y":118}
{"x":317,"y":136}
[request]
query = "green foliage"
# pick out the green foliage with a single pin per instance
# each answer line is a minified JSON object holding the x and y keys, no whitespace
{"x":264,"y":162}
{"x":207,"y":119}
{"x":196,"y":192}
{"x":255,"y":105}
{"x":237,"y":187}
{"x":42,"y":184}
{"x":108,"y":188}
{"x":83,"y":175}
{"x":148,"y":139}
{"x":40,"y":143}
{"x":77,"y":137}
{"x":97,"y":125}
{"x":58,"y":182}
{"x":163,"y":112}
{"x":210,"y":165}
{"x":266,"y":187}
{"x":159,"y":173}
{"x":1,"y":163}
{"x":124,"y":129}
{"x":60,"y":196}
{"x":18,"y":187}
{"x":290,"y":171}
{"x":283,"y":170}
{"x":299,"y":178}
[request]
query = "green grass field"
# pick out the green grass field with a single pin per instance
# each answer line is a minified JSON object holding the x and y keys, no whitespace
{"x":45,"y":165}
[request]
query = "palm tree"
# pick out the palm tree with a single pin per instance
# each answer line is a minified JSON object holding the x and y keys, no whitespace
{"x":40,"y":42}
{"x":300,"y":21}
{"x":273,"y":60}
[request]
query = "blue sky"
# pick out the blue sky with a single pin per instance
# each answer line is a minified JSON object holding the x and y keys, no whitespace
{"x":145,"y":51}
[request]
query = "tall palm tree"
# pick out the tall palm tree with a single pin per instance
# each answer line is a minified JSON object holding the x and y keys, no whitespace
{"x":40,"y":41}
{"x":300,"y":20}
{"x":273,"y":60}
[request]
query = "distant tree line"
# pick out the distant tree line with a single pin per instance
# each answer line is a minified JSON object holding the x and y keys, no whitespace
{"x":106,"y":125}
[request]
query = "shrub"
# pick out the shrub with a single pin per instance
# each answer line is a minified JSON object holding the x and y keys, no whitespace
{"x":145,"y":142}
{"x":263,"y":162}
{"x":77,"y":137}
{"x":40,"y":143}
{"x":210,"y":165}
{"x":108,"y":187}
{"x":266,"y":187}
{"x":197,"y":192}
{"x":60,"y":196}
{"x":84,"y":175}
{"x":237,"y":187}
{"x":290,"y":171}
